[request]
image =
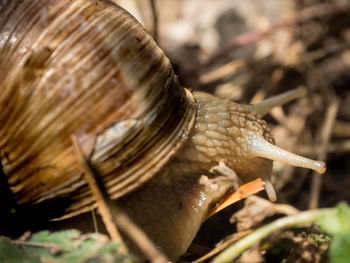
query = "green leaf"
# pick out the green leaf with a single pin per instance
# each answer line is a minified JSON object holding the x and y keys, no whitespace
{"x":338,"y":227}
{"x":65,"y":246}
{"x":11,"y":253}
{"x":337,"y":224}
{"x":339,"y":250}
{"x":344,"y":217}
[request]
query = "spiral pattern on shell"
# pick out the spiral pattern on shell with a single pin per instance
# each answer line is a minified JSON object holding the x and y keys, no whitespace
{"x":84,"y":68}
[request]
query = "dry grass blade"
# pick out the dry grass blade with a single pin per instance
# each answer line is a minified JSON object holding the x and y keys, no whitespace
{"x":324,"y":136}
{"x":53,"y":248}
{"x":94,"y":220}
{"x":222,"y":246}
{"x":99,"y":196}
{"x":341,"y":129}
{"x":245,"y":190}
{"x":114,"y":213}
{"x":154,"y":20}
{"x":222,"y":71}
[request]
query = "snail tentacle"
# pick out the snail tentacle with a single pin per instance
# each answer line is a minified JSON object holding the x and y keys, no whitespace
{"x":265,"y":106}
{"x":271,"y":193}
{"x":258,"y":146}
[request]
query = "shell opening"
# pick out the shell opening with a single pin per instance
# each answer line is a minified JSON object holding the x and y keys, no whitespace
{"x":259,"y":147}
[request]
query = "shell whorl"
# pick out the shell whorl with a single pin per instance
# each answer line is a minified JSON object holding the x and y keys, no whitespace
{"x":84,"y":68}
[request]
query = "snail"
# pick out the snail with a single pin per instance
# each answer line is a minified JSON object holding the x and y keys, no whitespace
{"x":88,"y":68}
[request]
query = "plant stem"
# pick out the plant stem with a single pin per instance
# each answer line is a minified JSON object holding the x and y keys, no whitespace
{"x":240,"y":246}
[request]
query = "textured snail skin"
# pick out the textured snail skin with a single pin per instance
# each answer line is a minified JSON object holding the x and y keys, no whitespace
{"x":222,"y":132}
{"x":172,"y":206}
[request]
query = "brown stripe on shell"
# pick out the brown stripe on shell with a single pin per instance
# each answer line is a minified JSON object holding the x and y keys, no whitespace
{"x":81,"y":67}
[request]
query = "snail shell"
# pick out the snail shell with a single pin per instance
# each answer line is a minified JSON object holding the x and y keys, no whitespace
{"x":87,"y":68}
{"x":84,"y":68}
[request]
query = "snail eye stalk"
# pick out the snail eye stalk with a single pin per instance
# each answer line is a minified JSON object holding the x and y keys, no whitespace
{"x":267,"y":105}
{"x":259,"y":147}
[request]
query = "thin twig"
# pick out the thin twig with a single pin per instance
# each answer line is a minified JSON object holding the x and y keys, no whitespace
{"x":138,"y":236}
{"x":342,"y":146}
{"x":223,"y":245}
{"x":221,"y":72}
{"x":99,"y":195}
{"x":119,"y":216}
{"x":53,"y":248}
{"x":341,"y":128}
{"x":324,"y":136}
{"x":296,"y":220}
{"x":94,"y":220}
{"x":35,"y":244}
{"x":316,"y":11}
{"x":154,"y":20}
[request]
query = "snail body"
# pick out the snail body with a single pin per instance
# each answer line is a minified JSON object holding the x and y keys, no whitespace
{"x":88,"y":68}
